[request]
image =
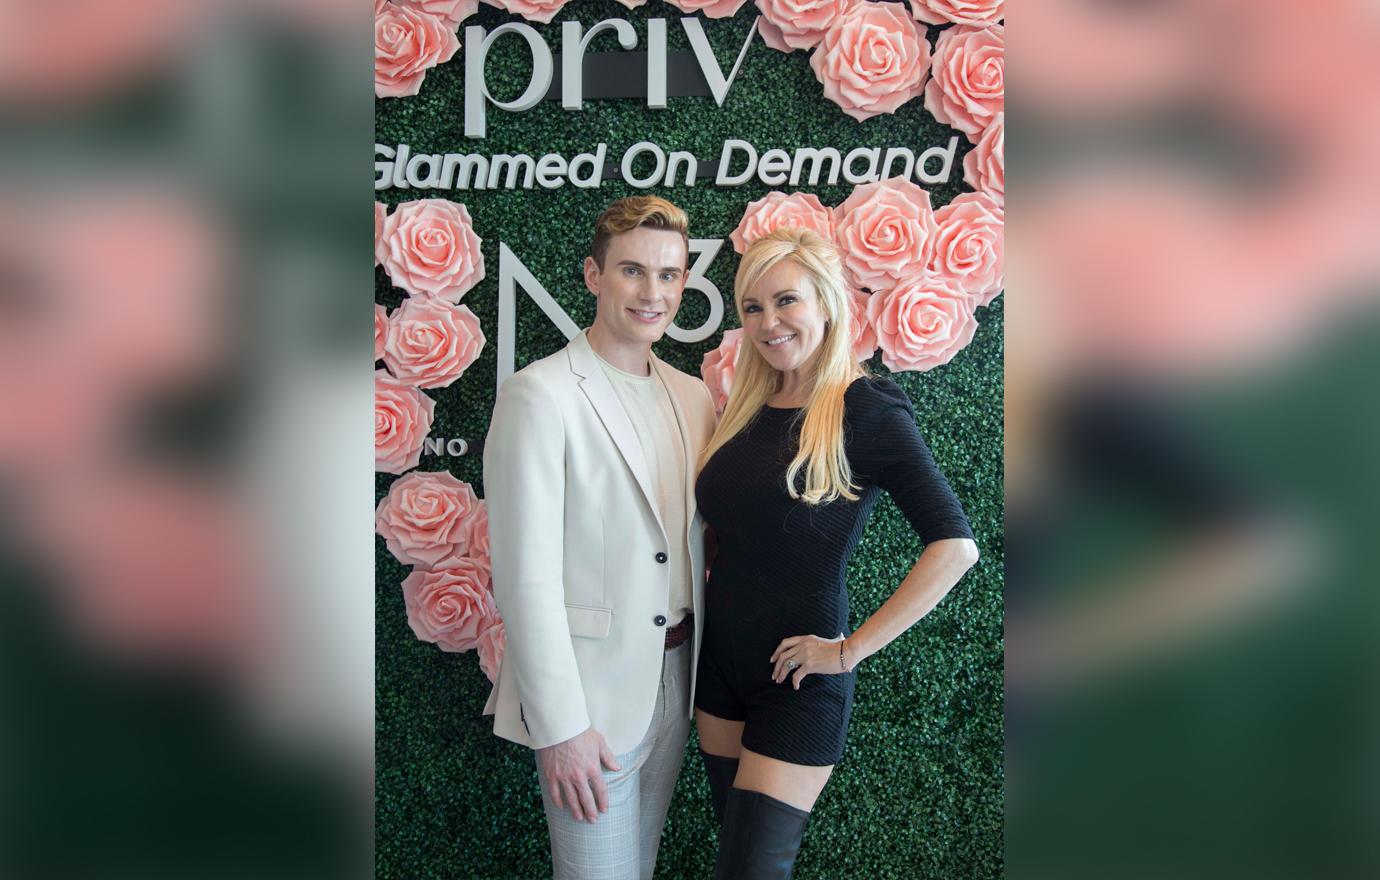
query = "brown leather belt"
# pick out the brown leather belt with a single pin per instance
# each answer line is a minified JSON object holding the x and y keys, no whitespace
{"x":678,"y":634}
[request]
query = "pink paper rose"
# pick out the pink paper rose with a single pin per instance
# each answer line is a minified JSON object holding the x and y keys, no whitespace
{"x":968,"y":89}
{"x":532,"y":10}
{"x":885,"y":232}
{"x":776,"y":210}
{"x":380,"y":211}
{"x":407,"y":44}
{"x":427,"y":519}
{"x":872,"y":60}
{"x":402,"y":419}
{"x":978,"y":13}
{"x":710,"y":8}
{"x":449,"y":606}
{"x":492,"y":641}
{"x":864,"y":337}
{"x":719,"y":365}
{"x":380,"y":329}
{"x":984,"y":168}
{"x":450,"y":11}
{"x":430,"y":249}
{"x":478,"y":551}
{"x":969,"y":246}
{"x":921,"y":325}
{"x":431,"y":343}
{"x":787,"y":25}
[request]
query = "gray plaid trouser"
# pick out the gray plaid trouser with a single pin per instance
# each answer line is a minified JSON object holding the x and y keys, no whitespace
{"x":623,"y":843}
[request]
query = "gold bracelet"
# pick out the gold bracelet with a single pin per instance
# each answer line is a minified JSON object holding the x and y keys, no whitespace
{"x":842,"y":665}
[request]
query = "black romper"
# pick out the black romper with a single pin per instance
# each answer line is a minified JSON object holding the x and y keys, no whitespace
{"x":781,"y":564}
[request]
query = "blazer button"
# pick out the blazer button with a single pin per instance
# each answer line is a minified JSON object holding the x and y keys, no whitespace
{"x":659,"y":620}
{"x":661,"y":557}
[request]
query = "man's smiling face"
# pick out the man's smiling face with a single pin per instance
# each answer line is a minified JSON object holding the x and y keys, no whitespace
{"x":640,"y":286}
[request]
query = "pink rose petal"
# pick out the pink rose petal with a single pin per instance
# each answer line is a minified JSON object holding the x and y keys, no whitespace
{"x":430,"y":343}
{"x":449,"y":606}
{"x":968,"y":88}
{"x":427,"y":519}
{"x":719,"y":365}
{"x":430,"y":249}
{"x":921,"y":325}
{"x":776,"y":210}
{"x":402,"y":419}
{"x":885,"y":233}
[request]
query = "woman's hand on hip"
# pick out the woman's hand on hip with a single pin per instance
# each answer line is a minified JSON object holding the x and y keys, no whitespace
{"x":799,"y":656}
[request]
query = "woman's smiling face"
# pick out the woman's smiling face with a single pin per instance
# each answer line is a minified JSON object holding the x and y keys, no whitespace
{"x":784,"y":317}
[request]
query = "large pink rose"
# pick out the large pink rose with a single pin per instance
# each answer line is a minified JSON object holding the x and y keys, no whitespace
{"x":710,"y":8}
{"x":968,"y":89}
{"x":532,"y":10}
{"x":449,"y":606}
{"x":719,"y":365}
{"x":407,"y":44}
{"x":402,"y":419}
{"x":431,"y":343}
{"x":776,"y":210}
{"x":978,"y":13}
{"x":478,"y":551}
{"x":451,"y":11}
{"x":380,"y":329}
{"x":969,"y":246}
{"x":427,"y":519}
{"x":921,"y":325}
{"x":492,"y":642}
{"x":429,"y":248}
{"x":872,"y":60}
{"x":787,"y":25}
{"x":885,"y":232}
{"x":864,"y":337}
{"x":380,"y":211}
{"x":984,"y":168}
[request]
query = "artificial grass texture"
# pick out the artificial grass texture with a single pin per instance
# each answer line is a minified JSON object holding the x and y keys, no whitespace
{"x":919,"y":790}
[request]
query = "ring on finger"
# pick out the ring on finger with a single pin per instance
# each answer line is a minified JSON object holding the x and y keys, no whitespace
{"x":792,"y":664}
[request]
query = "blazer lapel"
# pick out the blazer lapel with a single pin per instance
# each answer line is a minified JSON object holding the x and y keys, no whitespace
{"x":595,"y":385}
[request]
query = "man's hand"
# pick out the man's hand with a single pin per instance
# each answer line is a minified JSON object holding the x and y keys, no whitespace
{"x":573,"y":775}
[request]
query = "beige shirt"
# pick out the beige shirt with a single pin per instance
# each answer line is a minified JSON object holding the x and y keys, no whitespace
{"x":648,"y":406}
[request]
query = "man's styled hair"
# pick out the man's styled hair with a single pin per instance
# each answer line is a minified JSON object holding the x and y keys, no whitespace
{"x":629,"y":213}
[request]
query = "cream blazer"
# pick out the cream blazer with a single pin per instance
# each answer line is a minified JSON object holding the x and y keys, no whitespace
{"x":576,"y":540}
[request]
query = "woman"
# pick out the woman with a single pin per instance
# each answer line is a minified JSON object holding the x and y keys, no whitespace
{"x":805,"y":445}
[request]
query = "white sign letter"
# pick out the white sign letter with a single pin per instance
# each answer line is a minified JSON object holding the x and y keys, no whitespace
{"x":726,"y":160}
{"x":718,"y":85}
{"x":708,"y":249}
{"x":633,"y":152}
{"x":572,"y":60}
{"x":945,"y":153}
{"x":512,"y":273}
{"x":384,"y":169}
{"x":477,"y":91}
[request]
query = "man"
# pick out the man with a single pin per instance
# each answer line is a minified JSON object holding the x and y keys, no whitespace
{"x":598,"y":559}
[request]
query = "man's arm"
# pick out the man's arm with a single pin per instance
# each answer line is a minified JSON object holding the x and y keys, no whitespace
{"x":524,"y":488}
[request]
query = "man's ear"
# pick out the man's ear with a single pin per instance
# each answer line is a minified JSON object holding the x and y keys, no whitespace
{"x":592,"y":274}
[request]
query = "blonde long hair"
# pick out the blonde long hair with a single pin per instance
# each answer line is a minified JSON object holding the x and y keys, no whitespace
{"x":821,"y":453}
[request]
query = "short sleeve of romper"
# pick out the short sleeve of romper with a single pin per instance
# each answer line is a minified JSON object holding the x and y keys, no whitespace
{"x":885,"y":448}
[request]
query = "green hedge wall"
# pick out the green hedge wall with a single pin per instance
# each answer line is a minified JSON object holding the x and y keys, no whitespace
{"x":919,"y":790}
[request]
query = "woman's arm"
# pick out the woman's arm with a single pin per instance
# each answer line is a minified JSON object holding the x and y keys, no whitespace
{"x":936,"y":571}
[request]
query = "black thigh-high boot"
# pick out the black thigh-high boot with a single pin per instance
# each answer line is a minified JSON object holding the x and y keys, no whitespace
{"x":759,"y":838}
{"x":722,"y":771}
